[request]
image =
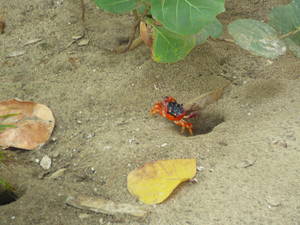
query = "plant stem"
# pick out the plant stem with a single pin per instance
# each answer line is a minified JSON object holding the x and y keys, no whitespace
{"x":283,"y":36}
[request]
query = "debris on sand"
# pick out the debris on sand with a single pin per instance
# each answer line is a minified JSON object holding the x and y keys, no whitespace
{"x":2,"y":25}
{"x":101,"y":205}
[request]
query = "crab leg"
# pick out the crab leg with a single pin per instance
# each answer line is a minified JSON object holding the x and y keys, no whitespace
{"x":184,"y":125}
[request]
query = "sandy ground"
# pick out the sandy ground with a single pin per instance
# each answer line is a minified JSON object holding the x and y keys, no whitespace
{"x":248,"y":143}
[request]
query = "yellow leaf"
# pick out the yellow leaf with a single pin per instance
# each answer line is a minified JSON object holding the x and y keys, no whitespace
{"x":155,"y":181}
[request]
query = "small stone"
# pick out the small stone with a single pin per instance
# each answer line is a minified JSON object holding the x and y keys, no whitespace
{"x":164,"y":145}
{"x":273,"y":202}
{"x":101,"y":221}
{"x":83,"y":42}
{"x":194,"y":180}
{"x":89,"y":136}
{"x":223,"y":143}
{"x":246,"y":163}
{"x":45,"y":162}
{"x":77,"y":37}
{"x":83,"y":216}
{"x":131,"y":140}
{"x":281,"y":143}
{"x":107,"y":147}
{"x":54,"y":154}
{"x":200,"y":168}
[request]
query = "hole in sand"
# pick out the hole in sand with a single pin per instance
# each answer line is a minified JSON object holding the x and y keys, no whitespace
{"x":206,"y":123}
{"x":9,"y":190}
{"x":7,"y":196}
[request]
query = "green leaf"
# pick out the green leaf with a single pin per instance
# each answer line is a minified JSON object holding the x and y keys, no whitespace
{"x":186,"y":16}
{"x":117,"y":6}
{"x":170,"y":47}
{"x":286,"y":19}
{"x":257,"y":37}
{"x":213,"y":29}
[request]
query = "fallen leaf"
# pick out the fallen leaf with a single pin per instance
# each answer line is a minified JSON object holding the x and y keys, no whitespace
{"x":199,"y":103}
{"x":33,"y":123}
{"x":100,"y":205}
{"x":155,"y":181}
{"x":145,"y":34}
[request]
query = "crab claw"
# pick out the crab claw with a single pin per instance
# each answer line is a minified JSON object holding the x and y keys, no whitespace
{"x":157,"y":108}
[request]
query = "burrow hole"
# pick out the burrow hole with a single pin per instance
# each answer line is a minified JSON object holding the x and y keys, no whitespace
{"x":205,"y":124}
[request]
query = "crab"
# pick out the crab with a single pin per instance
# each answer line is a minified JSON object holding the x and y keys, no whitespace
{"x":170,"y":109}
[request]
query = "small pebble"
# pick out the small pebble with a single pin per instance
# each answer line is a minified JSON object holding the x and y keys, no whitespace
{"x":45,"y":163}
{"x":200,"y":168}
{"x":281,"y":143}
{"x":107,"y":147}
{"x":273,"y":201}
{"x":101,"y":221}
{"x":164,"y":145}
{"x":83,"y":42}
{"x":83,"y":216}
{"x":246,"y":163}
{"x":55,"y":154}
{"x":131,"y":140}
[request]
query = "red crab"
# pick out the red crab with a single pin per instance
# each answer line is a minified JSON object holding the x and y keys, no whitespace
{"x":170,"y":109}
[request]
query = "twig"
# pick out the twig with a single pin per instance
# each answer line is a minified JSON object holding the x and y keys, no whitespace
{"x":132,"y":36}
{"x":132,"y":42}
{"x":223,"y":39}
{"x":289,"y":33}
{"x":82,"y":10}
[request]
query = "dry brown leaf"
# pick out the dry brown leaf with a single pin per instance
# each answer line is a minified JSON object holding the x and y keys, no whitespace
{"x":202,"y":101}
{"x":145,"y":34}
{"x":34,"y":124}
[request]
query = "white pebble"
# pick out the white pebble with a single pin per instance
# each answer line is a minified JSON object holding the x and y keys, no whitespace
{"x":164,"y":145}
{"x":45,"y":162}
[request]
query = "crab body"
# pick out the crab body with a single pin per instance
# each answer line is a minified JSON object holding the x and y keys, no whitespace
{"x":170,"y":109}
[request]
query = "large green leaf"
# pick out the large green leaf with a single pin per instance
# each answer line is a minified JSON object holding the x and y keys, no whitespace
{"x":186,"y":16}
{"x":257,"y":37}
{"x":117,"y":6}
{"x":170,"y":47}
{"x":286,"y":19}
{"x":213,"y":29}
